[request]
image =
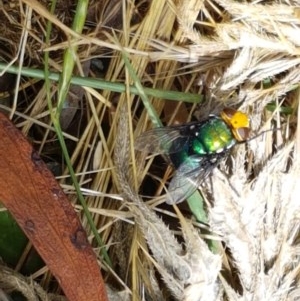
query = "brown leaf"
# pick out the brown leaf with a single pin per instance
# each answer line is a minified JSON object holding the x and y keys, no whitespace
{"x":30,"y":192}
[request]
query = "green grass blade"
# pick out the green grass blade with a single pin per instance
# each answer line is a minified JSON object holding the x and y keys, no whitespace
{"x":105,"y":85}
{"x":64,"y":84}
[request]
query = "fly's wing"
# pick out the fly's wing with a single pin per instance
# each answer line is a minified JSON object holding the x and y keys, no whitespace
{"x":190,"y":175}
{"x":164,"y":140}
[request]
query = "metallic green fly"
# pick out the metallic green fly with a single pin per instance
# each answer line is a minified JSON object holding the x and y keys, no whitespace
{"x":195,"y":148}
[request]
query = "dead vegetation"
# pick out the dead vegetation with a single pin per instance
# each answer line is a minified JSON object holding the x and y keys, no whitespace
{"x":239,"y":54}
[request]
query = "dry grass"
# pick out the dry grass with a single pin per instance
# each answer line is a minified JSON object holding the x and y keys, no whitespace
{"x":238,"y":54}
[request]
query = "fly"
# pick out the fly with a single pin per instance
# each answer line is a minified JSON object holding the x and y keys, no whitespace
{"x":195,"y":148}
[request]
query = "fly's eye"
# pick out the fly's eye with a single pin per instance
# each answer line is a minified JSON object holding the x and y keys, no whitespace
{"x":241,"y":134}
{"x":228,"y":112}
{"x":235,"y":119}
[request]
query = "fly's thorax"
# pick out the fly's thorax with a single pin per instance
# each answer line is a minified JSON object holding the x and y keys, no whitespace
{"x":214,"y":136}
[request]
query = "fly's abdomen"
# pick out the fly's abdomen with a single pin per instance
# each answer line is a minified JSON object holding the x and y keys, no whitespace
{"x":179,"y":157}
{"x":213,"y":137}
